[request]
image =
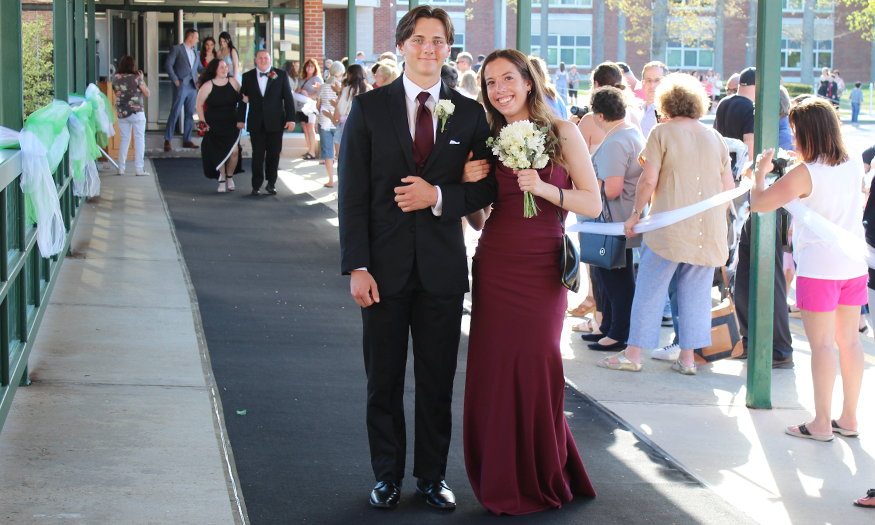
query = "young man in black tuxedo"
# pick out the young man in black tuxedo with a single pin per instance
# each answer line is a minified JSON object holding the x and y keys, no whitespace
{"x":271,"y":109}
{"x":400,"y":206}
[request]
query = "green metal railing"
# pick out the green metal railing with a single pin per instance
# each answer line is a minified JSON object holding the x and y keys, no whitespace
{"x":26,"y":278}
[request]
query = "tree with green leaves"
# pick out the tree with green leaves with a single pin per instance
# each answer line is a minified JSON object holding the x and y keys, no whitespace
{"x":37,"y":66}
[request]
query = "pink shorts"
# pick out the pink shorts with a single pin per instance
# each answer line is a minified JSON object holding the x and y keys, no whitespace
{"x":825,"y":295}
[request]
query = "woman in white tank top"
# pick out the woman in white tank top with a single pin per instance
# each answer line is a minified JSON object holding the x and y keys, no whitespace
{"x":830,"y":286}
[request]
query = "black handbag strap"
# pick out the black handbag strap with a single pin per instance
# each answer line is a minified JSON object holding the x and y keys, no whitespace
{"x":559,"y":213}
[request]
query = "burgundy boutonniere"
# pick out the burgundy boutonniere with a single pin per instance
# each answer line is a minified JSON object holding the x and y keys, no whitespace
{"x":272,"y":75}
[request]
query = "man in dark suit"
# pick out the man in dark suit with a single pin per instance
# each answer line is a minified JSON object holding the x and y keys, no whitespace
{"x":401,"y":201}
{"x":183,"y":65}
{"x":271,"y":109}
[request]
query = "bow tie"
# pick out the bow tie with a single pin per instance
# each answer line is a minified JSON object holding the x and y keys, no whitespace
{"x":263,"y":74}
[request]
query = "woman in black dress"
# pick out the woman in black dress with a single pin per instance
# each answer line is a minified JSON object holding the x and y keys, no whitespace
{"x":220,"y":94}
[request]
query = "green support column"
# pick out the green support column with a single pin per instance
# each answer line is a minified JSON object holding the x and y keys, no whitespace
{"x":60,"y":30}
{"x":762,"y":260}
{"x":350,"y":31}
{"x":524,"y":26}
{"x":79,"y":46}
{"x":91,"y":50}
{"x":11,"y":102}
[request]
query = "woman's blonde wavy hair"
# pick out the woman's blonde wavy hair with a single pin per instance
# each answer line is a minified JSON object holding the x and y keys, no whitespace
{"x":539,"y":111}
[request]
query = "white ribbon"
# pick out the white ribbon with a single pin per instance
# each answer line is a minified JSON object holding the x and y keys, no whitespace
{"x":37,"y":182}
{"x":666,"y":218}
{"x":87,"y":185}
{"x":851,"y":245}
{"x":8,"y":138}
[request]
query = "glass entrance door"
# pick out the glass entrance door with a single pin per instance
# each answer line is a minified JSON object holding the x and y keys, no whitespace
{"x":286,"y":45}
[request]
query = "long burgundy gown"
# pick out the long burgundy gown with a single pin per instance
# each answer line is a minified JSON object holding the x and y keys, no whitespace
{"x":519,"y":452}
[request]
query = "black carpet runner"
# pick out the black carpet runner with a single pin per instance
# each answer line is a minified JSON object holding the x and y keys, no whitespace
{"x":284,"y":338}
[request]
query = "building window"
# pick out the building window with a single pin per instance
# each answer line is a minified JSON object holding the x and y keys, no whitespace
{"x":566,"y":3}
{"x":458,"y":45}
{"x":797,"y":6}
{"x":573,"y":50}
{"x":681,"y":55}
{"x":791,"y":54}
{"x":823,"y":54}
{"x":694,"y":4}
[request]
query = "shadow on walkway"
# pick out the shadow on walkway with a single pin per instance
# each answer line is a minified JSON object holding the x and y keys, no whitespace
{"x":284,"y":338}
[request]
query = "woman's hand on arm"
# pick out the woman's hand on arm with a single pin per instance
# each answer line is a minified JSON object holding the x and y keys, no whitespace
{"x":794,"y":184}
{"x":475,"y":169}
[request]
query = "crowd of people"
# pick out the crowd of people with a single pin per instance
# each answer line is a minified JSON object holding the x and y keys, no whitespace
{"x":626,"y":149}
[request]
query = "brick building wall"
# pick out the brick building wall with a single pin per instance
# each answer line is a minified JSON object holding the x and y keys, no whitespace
{"x":44,"y":16}
{"x":335,"y":33}
{"x":313,"y":30}
{"x":384,"y":30}
{"x":852,"y":54}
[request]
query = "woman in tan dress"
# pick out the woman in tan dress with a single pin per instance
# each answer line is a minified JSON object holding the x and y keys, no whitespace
{"x":684,"y":163}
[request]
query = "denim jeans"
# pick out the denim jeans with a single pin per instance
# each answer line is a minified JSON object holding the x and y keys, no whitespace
{"x":855,"y":112}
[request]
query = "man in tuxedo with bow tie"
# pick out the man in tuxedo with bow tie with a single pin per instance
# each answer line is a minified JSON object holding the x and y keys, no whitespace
{"x":400,"y":206}
{"x":271,"y":109}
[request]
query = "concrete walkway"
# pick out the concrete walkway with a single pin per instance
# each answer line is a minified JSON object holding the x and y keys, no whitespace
{"x":120,"y":424}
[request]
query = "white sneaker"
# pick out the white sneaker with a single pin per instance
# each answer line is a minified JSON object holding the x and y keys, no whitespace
{"x":121,"y":171}
{"x":668,"y":353}
{"x":143,"y":172}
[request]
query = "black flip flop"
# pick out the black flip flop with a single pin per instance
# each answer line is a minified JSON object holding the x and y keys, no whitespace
{"x":843,"y":431}
{"x":804,"y":433}
{"x":869,"y":494}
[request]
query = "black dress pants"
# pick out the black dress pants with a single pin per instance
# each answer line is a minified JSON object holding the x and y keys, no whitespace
{"x":782,"y":343}
{"x":434,"y":323}
{"x":617,"y":291}
{"x":266,"y":147}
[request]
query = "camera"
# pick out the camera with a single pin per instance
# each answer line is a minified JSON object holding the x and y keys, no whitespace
{"x":579,"y":112}
{"x":779,"y":166}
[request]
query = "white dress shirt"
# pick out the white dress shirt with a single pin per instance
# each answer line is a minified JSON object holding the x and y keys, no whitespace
{"x":411,"y":91}
{"x":648,"y":120}
{"x":192,"y":56}
{"x":262,"y":80}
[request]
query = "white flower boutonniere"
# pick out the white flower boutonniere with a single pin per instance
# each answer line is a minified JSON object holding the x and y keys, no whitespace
{"x":443,"y":110}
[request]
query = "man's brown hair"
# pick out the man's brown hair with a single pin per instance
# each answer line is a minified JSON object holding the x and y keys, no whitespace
{"x":818,"y":134}
{"x":408,"y":23}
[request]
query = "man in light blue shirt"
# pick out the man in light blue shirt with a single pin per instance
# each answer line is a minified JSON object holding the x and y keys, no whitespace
{"x":856,"y":102}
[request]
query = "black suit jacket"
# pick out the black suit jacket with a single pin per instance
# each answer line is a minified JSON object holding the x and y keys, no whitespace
{"x":273,"y":109}
{"x":377,"y":152}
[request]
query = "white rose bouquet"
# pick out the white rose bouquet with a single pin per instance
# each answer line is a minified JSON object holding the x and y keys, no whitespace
{"x":521,"y":146}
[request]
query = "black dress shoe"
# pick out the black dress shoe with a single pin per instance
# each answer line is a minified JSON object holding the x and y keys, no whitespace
{"x":592,"y":338}
{"x":436,"y":493}
{"x":255,"y":191}
{"x":614,"y":346}
{"x":271,"y":190}
{"x":386,"y":495}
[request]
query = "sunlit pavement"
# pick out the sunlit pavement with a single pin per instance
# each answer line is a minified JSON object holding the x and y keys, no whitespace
{"x":702,"y":420}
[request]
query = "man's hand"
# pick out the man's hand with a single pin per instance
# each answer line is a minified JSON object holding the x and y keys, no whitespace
{"x":363,"y":288}
{"x":418,"y":195}
{"x":290,"y":126}
{"x":239,"y":125}
{"x":176,"y":83}
{"x":475,"y":169}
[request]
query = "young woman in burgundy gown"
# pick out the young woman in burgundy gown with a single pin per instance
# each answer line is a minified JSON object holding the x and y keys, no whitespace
{"x":519,"y":452}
